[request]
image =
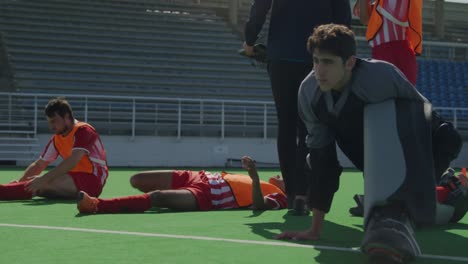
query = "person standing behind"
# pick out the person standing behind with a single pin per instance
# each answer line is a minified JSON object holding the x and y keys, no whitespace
{"x":394,"y":31}
{"x":289,"y":63}
{"x":84,"y":164}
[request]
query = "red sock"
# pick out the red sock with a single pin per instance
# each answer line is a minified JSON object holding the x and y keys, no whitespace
{"x":127,"y":204}
{"x":442,"y":193}
{"x":14,"y":191}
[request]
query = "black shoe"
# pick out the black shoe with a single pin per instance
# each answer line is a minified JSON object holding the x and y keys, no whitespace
{"x":359,"y":209}
{"x":461,"y":207}
{"x":389,"y":238}
{"x":290,"y":201}
{"x":299,"y":208}
{"x":458,"y":196}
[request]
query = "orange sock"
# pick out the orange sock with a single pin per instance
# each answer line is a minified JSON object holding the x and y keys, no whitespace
{"x":442,"y":192}
{"x":127,"y":204}
{"x":14,"y":191}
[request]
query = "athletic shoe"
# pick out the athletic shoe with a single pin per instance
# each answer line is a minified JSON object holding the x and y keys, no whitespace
{"x":87,"y":204}
{"x":359,"y":209}
{"x":458,"y":197}
{"x":299,"y":208}
{"x":389,"y":237}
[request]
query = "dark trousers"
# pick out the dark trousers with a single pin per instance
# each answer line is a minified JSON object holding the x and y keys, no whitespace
{"x":286,"y":77}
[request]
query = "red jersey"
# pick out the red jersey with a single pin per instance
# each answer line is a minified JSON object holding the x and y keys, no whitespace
{"x":83,"y":136}
{"x":394,"y":22}
{"x":224,"y":197}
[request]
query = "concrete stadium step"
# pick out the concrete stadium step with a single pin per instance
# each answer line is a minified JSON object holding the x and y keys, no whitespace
{"x":12,"y":28}
{"x":165,"y":71}
{"x":68,"y":59}
{"x":168,"y":90}
{"x":135,"y":54}
{"x":112,"y":9}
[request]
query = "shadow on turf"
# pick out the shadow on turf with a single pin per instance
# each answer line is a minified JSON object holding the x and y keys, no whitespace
{"x":444,"y":240}
{"x":333,"y":235}
{"x":153,"y":210}
{"x":41,"y":201}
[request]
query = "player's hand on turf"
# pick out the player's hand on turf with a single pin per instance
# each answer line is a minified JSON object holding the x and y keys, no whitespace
{"x":298,"y":235}
{"x":249,"y":50}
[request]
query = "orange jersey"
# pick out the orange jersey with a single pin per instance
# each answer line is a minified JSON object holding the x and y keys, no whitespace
{"x":241,"y":187}
{"x":83,"y":136}
{"x":412,"y":22}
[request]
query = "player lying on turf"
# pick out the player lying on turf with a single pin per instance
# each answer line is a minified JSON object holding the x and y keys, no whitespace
{"x":191,"y":190}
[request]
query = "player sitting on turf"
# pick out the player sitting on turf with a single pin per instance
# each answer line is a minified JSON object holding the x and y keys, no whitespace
{"x":191,"y":190}
{"x":84,"y":164}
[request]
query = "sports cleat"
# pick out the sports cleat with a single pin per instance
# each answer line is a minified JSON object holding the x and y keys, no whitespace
{"x":458,"y":197}
{"x":449,"y":179}
{"x":389,"y":238}
{"x":299,"y":208}
{"x":359,"y":209}
{"x":87,"y":204}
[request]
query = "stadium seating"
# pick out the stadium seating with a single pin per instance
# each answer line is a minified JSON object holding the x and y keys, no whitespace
{"x":165,"y":48}
{"x":127,"y":48}
{"x":149,"y":48}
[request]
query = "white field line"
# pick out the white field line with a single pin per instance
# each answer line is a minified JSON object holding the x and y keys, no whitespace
{"x":240,"y":241}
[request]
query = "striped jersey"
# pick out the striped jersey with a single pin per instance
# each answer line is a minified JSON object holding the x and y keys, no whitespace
{"x":83,"y":136}
{"x":394,"y":22}
{"x":223,"y":197}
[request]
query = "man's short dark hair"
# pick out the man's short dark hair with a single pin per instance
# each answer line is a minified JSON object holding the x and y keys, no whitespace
{"x":60,"y":106}
{"x":336,"y":39}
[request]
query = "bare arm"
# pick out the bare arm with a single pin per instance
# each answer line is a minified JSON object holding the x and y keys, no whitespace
{"x":34,"y":169}
{"x":63,"y":168}
{"x":66,"y":165}
{"x":257,"y":196}
{"x":365,"y":9}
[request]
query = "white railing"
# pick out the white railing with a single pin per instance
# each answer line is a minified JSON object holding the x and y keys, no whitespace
{"x":178,"y":117}
{"x":138,"y":115}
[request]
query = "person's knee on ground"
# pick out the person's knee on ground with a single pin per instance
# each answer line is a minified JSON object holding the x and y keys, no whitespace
{"x":139,"y":181}
{"x":60,"y":188}
{"x":389,"y":235}
{"x":136,"y":183}
{"x":148,"y":181}
{"x":182,"y":200}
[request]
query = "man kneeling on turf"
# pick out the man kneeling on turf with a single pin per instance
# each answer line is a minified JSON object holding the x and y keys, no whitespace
{"x":191,"y":190}
{"x":388,"y":130}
